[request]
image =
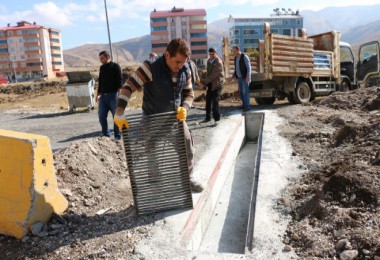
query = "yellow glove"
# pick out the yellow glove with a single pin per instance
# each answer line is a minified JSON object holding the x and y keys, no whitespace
{"x":120,"y":121}
{"x":181,"y":113}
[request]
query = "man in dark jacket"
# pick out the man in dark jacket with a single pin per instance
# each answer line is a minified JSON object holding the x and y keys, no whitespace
{"x":167,"y":87}
{"x":110,"y":81}
{"x":243,"y":75}
{"x":214,"y":82}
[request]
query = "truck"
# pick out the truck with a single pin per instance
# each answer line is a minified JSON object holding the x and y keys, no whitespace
{"x":301,"y":68}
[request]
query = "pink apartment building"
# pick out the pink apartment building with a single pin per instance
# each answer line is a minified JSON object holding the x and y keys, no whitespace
{"x":30,"y":51}
{"x":188,"y":24}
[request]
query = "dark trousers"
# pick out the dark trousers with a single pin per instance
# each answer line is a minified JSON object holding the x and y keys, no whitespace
{"x":212,"y":101}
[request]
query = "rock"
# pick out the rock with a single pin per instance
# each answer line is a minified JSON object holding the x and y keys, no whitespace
{"x":332,"y":252}
{"x":36,"y":228}
{"x":348,"y":255}
{"x":287,"y":241}
{"x":339,"y":233}
{"x":142,"y":230}
{"x":95,"y":185}
{"x":287,"y":248}
{"x":59,"y":219}
{"x":376,"y":257}
{"x":24,"y":239}
{"x":339,"y":246}
{"x":67,"y":192}
{"x":348,"y":246}
{"x":366,"y":252}
{"x":92,"y":148}
{"x":295,"y":237}
{"x":56,"y":226}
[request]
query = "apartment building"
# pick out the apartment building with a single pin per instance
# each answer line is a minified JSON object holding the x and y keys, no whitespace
{"x":30,"y":51}
{"x":190,"y":24}
{"x":246,"y":32}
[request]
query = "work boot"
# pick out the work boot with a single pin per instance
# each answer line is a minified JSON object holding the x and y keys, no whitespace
{"x":196,"y":187}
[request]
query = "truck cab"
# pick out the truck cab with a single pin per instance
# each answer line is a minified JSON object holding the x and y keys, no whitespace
{"x":368,"y":62}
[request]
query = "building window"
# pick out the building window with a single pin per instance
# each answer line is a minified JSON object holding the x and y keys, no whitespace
{"x":54,"y":40}
{"x":202,"y":43}
{"x":298,"y":22}
{"x":31,"y":40}
{"x":198,"y":35}
{"x":158,"y":28}
{"x":236,"y":41}
{"x":19,"y":32}
{"x":251,"y":41}
{"x":158,"y":20}
{"x":29,"y":32}
{"x":33,"y":64}
{"x":274,"y":31}
{"x":3,"y":42}
{"x":251,"y":32}
{"x":159,"y":45}
{"x":57,"y":63}
{"x":197,"y":18}
{"x":194,"y":52}
{"x":22,"y":57}
{"x":32,"y":48}
{"x":236,"y":32}
{"x":10,"y":33}
{"x":23,"y":64}
{"x":56,"y":55}
{"x":286,"y":22}
{"x":19,"y":40}
{"x":2,"y":34}
{"x":56,"y":48}
{"x":3,"y":50}
{"x":183,"y":19}
{"x":287,"y":32}
{"x":54,"y":32}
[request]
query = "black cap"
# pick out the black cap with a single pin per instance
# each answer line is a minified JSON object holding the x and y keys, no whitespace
{"x":211,"y":50}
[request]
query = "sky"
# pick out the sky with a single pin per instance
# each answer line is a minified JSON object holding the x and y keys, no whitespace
{"x":84,"y":21}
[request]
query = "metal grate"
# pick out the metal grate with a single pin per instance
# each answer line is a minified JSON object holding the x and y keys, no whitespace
{"x":155,"y":149}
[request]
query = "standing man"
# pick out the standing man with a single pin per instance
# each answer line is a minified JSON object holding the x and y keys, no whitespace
{"x":214,"y":82}
{"x":167,"y":87}
{"x":110,"y":81}
{"x":243,"y":74}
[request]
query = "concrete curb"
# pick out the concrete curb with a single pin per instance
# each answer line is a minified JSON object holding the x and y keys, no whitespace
{"x":197,"y":222}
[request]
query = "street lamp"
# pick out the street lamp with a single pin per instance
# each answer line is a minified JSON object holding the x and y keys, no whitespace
{"x":108,"y":28}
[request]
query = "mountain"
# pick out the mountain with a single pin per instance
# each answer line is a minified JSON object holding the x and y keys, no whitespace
{"x":360,"y":34}
{"x":339,"y":18}
{"x":357,"y":24}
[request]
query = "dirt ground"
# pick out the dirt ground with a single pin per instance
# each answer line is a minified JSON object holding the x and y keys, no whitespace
{"x":335,"y":206}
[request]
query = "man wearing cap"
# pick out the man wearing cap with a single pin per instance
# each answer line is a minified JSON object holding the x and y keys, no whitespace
{"x":214,"y":82}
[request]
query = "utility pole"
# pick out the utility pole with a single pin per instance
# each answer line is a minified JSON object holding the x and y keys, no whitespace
{"x":108,"y":28}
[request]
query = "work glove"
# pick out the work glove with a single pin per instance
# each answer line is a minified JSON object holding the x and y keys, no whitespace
{"x":120,"y":121}
{"x":181,"y":113}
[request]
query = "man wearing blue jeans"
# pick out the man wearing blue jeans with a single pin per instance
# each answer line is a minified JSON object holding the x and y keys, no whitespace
{"x":243,"y":74}
{"x":110,"y":81}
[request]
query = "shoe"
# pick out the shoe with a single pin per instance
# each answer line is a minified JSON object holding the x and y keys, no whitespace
{"x":241,"y":107}
{"x":205,"y":121}
{"x":196,"y":187}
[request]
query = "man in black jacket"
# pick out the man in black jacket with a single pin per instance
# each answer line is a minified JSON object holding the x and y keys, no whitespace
{"x":110,"y":81}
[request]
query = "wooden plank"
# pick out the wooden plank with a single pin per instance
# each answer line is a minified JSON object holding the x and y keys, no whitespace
{"x":287,"y":69}
{"x":292,"y":58}
{"x":292,"y":43}
{"x":291,"y":38}
{"x":292,"y":48}
{"x":289,"y":53}
{"x":298,"y":64}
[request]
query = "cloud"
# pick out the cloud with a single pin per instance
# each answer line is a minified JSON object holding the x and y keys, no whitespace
{"x":50,"y":13}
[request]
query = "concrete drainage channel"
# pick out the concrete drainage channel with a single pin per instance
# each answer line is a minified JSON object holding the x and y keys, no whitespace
{"x":222,"y":222}
{"x":230,"y":225}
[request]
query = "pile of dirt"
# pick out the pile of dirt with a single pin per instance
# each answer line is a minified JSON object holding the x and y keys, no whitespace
{"x":101,"y":221}
{"x":24,"y":91}
{"x":366,"y":99}
{"x":336,"y":205}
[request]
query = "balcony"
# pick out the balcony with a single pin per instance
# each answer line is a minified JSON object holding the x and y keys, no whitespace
{"x":164,"y":33}
{"x":198,"y":22}
{"x":31,"y":52}
{"x":200,"y":47}
{"x":159,"y":24}
{"x":198,"y":30}
{"x":27,"y":44}
{"x":31,"y":35}
{"x":198,"y":39}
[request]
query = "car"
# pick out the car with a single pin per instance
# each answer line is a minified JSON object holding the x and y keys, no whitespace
{"x":3,"y":80}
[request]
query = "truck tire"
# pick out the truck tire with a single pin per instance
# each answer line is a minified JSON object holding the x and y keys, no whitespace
{"x":265,"y":101}
{"x":303,"y":93}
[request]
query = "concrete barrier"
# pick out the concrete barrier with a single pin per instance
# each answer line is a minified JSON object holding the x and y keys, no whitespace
{"x":28,"y":185}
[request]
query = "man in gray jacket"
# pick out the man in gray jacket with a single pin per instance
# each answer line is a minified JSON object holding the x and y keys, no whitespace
{"x":214,"y":82}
